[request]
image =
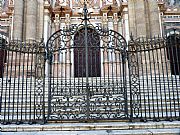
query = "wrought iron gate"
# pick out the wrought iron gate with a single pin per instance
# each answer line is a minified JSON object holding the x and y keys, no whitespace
{"x":87,"y":74}
{"x":154,"y":69}
{"x":22,"y":89}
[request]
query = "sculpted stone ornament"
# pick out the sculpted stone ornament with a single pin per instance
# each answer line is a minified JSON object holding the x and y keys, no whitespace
{"x":57,"y":3}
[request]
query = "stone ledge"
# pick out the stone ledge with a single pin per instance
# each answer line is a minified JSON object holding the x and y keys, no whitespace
{"x":91,"y":126}
{"x":101,"y":132}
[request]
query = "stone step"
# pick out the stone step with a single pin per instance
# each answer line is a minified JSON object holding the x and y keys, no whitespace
{"x":105,"y":127}
{"x":167,"y":131}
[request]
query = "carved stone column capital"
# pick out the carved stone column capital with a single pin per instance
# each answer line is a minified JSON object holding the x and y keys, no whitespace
{"x":104,"y":19}
{"x":67,"y":19}
{"x":115,"y":15}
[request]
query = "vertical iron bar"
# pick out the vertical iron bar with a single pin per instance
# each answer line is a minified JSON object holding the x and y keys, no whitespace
{"x":10,"y":81}
{"x":177,"y":42}
{"x":31,"y":84}
{"x":6,"y":86}
{"x":143,"y":110}
{"x":163,"y":62}
{"x":19,"y":81}
{"x":124,"y":53}
{"x":22,"y":94}
{"x":49,"y":81}
{"x":159,"y":63}
{"x":14,"y":87}
{"x":154,"y":50}
{"x":167,"y":77}
{"x":151,"y":76}
{"x":87,"y":66}
{"x":27,"y":83}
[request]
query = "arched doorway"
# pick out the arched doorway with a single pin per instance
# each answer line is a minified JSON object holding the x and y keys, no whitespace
{"x":94,"y":58}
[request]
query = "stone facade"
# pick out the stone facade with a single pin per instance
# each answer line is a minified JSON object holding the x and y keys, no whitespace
{"x":39,"y":19}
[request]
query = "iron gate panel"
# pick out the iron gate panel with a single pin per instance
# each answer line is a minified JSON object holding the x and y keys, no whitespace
{"x":154,"y":65}
{"x":22,"y":82}
{"x":74,"y":95}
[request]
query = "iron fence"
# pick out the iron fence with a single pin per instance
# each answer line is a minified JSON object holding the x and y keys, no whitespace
{"x":138,"y":84}
{"x":21,"y":81}
{"x":154,"y":69}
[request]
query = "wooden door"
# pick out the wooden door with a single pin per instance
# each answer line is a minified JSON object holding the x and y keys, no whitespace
{"x":94,"y":59}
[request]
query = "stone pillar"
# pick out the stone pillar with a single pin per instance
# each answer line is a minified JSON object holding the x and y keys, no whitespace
{"x":40,"y":21}
{"x":110,"y":24}
{"x":46,"y":24}
{"x":68,"y":64}
{"x":10,"y":27}
{"x":18,"y":19}
{"x":132,"y":17}
{"x":56,"y":63}
{"x":115,"y":22}
{"x":154,"y":17}
{"x":143,"y":18}
{"x":140,"y":18}
{"x":31,"y":19}
{"x":126,"y":24}
{"x":120,"y":29}
{"x":138,"y":15}
{"x":46,"y":30}
{"x":105,"y":51}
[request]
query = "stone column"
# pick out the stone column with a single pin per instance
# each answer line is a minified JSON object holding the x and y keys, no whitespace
{"x":105,"y":51}
{"x":137,"y":18}
{"x":18,"y":19}
{"x":120,"y":29}
{"x":116,"y":60}
{"x":132,"y":17}
{"x":31,"y":19}
{"x":11,"y":27}
{"x":126,"y":24}
{"x":110,"y":24}
{"x":40,"y":21}
{"x":56,"y":63}
{"x":154,"y":17}
{"x":140,"y":18}
{"x":46,"y":24}
{"x":115,"y":22}
{"x":68,"y":64}
{"x":46,"y":30}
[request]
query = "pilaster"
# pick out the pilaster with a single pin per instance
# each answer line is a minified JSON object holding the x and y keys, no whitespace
{"x":115,"y":16}
{"x":154,"y":17}
{"x":47,"y":20}
{"x":140,"y":11}
{"x":31,"y":19}
{"x":40,"y":19}
{"x":126,"y":24}
{"x":18,"y":19}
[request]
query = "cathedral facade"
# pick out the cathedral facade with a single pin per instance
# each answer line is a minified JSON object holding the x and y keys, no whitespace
{"x":37,"y":19}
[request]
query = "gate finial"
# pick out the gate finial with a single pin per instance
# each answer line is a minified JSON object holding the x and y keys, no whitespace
{"x":86,"y":16}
